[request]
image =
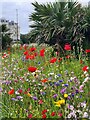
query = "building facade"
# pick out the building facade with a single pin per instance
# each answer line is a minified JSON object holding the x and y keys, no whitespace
{"x":13,"y":27}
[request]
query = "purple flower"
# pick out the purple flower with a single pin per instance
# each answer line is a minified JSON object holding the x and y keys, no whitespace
{"x":35,"y":98}
{"x":43,"y":93}
{"x":8,"y":82}
{"x":56,"y":83}
{"x":14,"y":99}
{"x":77,"y":91}
{"x":1,"y":89}
{"x":50,"y":78}
{"x":63,"y":91}
{"x":19,"y":97}
{"x":55,"y":95}
{"x":69,"y":98}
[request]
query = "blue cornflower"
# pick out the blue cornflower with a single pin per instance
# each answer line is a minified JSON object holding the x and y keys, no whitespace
{"x":58,"y":75}
{"x":60,"y":80}
{"x":72,"y":94}
{"x":39,"y":62}
{"x":51,"y":84}
{"x":57,"y":83}
{"x":66,"y":85}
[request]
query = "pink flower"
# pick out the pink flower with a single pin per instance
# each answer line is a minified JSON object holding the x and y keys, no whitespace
{"x":40,"y":102}
{"x":30,"y":116}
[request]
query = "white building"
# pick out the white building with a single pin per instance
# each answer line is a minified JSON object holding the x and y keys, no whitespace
{"x":89,"y":4}
{"x":13,"y":27}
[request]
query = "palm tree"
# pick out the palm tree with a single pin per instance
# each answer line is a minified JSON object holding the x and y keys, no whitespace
{"x":57,"y":22}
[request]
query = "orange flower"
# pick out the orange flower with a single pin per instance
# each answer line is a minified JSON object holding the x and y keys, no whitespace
{"x":11,"y":92}
{"x":44,"y":80}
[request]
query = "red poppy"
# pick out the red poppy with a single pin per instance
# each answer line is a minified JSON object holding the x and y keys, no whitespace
{"x":44,"y":111}
{"x":32,"y":69}
{"x":87,"y":50}
{"x":20,"y":91}
{"x":44,"y":116}
{"x":53,"y":60}
{"x":30,"y":116}
{"x":11,"y":92}
{"x":32,"y":49}
{"x":35,"y":54}
{"x":42,"y":51}
{"x":31,"y":57}
{"x":26,"y":52}
{"x":53,"y":114}
{"x":44,"y":80}
{"x":67,"y":47}
{"x":27,"y":56}
{"x":85,"y":68}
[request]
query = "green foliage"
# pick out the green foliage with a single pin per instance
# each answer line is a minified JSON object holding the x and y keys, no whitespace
{"x":5,"y":37}
{"x":59,"y":22}
{"x":24,"y":38}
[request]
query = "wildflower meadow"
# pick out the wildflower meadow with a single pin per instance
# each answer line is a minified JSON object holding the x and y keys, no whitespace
{"x":36,"y":84}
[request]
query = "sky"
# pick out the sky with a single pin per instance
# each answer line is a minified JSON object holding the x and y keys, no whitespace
{"x":25,"y":8}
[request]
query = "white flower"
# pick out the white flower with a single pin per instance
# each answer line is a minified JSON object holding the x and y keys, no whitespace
{"x":50,"y":74}
{"x":85,"y":115}
{"x":86,"y":79}
{"x":85,"y":72}
{"x":16,"y":92}
{"x":83,"y":105}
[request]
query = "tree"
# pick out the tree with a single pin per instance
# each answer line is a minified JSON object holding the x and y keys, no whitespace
{"x":5,"y":37}
{"x":58,"y":22}
{"x":24,"y":38}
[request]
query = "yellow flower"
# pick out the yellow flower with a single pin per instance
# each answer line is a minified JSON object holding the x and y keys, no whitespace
{"x":60,"y":102}
{"x":65,"y":95}
{"x":29,"y":95}
{"x":57,"y":103}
